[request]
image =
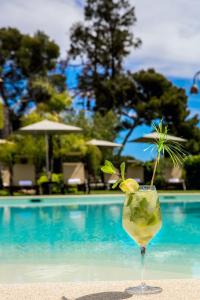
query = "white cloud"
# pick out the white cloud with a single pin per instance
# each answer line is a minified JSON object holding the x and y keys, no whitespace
{"x":170,"y":30}
{"x":55,"y":17}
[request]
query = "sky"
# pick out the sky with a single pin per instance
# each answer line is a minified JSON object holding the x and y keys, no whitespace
{"x":170,"y":32}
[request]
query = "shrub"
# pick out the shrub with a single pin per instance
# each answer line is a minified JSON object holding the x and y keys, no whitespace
{"x":56,"y":178}
{"x":4,"y":193}
{"x":93,"y":160}
{"x":192,"y":169}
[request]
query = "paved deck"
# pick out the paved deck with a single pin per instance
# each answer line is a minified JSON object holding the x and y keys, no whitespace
{"x":172,"y":290}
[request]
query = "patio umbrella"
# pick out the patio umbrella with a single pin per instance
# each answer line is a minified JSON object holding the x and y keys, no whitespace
{"x":103,"y":143}
{"x":150,"y":138}
{"x":48,"y":128}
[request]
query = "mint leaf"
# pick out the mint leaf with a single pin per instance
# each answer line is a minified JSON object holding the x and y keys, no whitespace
{"x":122,"y":169}
{"x":109,"y":164}
{"x":116,"y":183}
{"x":108,"y":168}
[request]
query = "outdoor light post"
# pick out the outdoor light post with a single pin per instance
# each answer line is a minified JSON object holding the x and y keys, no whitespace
{"x":194,"y":88}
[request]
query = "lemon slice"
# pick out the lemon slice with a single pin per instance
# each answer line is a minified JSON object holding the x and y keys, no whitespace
{"x":129,"y":186}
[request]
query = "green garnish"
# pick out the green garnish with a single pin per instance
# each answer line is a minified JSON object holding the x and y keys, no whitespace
{"x":122,"y":169}
{"x":162,"y":144}
{"x":108,"y":168}
{"x":126,"y":185}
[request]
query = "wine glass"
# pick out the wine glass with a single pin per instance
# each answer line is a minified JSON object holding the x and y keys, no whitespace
{"x":142,"y":220}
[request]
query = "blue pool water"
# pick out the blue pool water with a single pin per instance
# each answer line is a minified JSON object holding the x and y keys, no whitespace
{"x":82,"y":239}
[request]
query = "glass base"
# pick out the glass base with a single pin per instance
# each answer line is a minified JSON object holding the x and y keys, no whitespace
{"x":143,"y":289}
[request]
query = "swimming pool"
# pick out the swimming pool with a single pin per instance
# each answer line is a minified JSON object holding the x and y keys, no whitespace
{"x":81,"y":238}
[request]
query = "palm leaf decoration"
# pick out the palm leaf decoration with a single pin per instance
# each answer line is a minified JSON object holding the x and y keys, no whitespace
{"x":163,"y":145}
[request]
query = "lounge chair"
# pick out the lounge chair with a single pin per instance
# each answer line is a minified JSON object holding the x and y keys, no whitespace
{"x":95,"y":183}
{"x":109,"y":180}
{"x":74,"y":175}
{"x":136,"y":172}
{"x":24,"y":177}
{"x":173,"y":177}
{"x":5,"y":176}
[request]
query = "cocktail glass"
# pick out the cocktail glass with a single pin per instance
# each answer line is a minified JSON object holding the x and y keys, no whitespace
{"x":142,"y":220}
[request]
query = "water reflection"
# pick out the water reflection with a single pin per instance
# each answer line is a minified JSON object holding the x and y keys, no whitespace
{"x":6,"y":215}
{"x":78,"y":219}
{"x":60,"y":228}
{"x":179,"y":215}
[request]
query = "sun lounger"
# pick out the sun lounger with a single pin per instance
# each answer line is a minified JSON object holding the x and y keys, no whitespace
{"x":173,"y":177}
{"x":136,"y":172}
{"x":5,"y":176}
{"x":109,"y":180}
{"x":24,"y":177}
{"x":74,"y":175}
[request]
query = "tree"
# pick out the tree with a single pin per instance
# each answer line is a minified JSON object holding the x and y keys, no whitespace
{"x":95,"y":126}
{"x":102,"y":43}
{"x":22,"y":59}
{"x":155,"y":97}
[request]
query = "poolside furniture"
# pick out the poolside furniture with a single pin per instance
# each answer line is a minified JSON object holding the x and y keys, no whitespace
{"x":24,"y":177}
{"x":49,"y":128}
{"x":173,"y":177}
{"x":95,"y":184}
{"x":74,"y":175}
{"x":5,"y":176}
{"x":135,"y":171}
{"x":151,"y":137}
{"x":103,"y":143}
{"x":109,"y":179}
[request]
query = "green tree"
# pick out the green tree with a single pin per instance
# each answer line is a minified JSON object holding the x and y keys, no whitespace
{"x":33,"y":54}
{"x":24,"y":58}
{"x":48,"y":97}
{"x":93,"y":160}
{"x":102,"y":43}
{"x":156,"y":97}
{"x":95,"y":126}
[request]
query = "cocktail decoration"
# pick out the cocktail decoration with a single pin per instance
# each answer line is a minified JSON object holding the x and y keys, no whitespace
{"x":141,"y":211}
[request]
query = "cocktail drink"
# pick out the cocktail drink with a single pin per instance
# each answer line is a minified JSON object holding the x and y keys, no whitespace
{"x":142,"y":220}
{"x":141,"y":211}
{"x":141,"y":215}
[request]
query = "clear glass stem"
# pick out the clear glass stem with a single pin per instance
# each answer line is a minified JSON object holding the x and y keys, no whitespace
{"x":143,"y":251}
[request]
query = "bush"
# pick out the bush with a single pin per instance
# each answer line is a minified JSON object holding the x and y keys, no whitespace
{"x":192,"y":169}
{"x":55,"y":178}
{"x":4,"y":193}
{"x":93,"y":160}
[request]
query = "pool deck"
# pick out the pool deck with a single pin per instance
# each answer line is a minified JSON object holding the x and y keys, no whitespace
{"x":172,"y":290}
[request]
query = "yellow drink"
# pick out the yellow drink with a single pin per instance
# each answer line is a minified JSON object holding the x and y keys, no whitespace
{"x":142,"y":216}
